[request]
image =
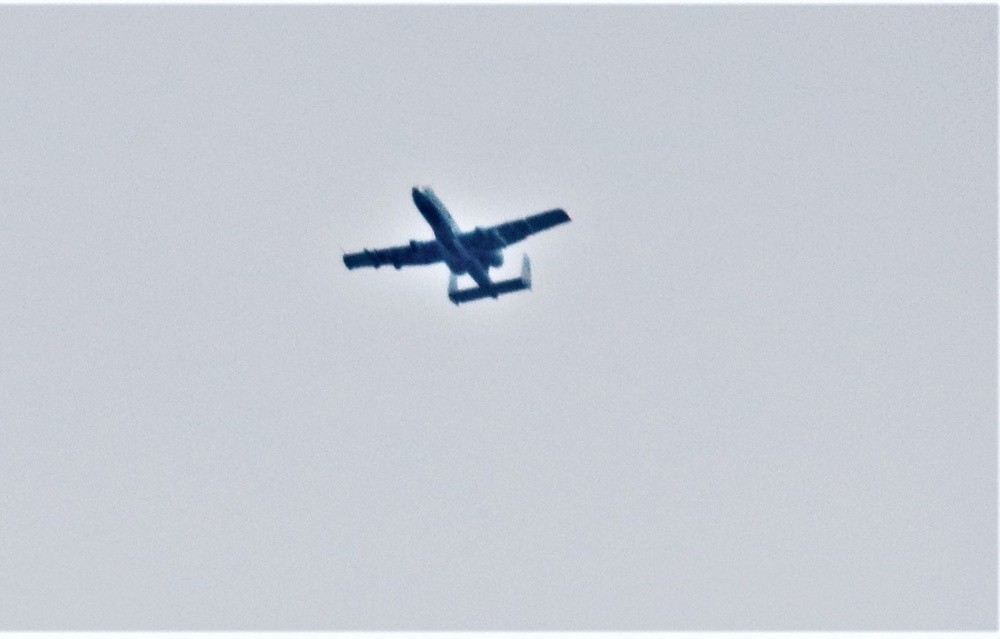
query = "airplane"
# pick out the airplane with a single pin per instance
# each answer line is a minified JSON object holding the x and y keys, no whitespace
{"x":473,"y":252}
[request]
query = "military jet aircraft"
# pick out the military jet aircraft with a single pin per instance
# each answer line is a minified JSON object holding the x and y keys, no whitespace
{"x":473,"y":252}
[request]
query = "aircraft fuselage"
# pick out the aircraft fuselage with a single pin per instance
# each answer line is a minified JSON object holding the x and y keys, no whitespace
{"x":459,"y":259}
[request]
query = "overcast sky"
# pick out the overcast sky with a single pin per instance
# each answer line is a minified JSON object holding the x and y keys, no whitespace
{"x":754,"y":386}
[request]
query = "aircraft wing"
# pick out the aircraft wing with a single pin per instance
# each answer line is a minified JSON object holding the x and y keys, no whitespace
{"x":399,"y":256}
{"x":501,"y":235}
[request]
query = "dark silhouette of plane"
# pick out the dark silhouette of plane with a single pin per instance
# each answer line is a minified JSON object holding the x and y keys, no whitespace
{"x":473,"y":252}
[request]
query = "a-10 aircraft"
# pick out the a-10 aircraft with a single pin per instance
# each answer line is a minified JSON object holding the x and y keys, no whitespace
{"x":473,"y":252}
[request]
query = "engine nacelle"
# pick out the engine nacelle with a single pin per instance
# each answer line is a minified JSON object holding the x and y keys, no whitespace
{"x":494,"y":259}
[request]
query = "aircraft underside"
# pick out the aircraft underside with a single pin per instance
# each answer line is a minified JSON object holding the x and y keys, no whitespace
{"x":473,"y":253}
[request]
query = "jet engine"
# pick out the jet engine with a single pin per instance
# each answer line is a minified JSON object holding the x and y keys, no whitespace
{"x":494,"y":259}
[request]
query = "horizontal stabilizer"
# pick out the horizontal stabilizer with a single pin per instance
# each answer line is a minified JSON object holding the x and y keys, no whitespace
{"x":499,"y":288}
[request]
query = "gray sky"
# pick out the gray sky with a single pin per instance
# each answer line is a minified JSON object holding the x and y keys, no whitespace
{"x":754,"y":386}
